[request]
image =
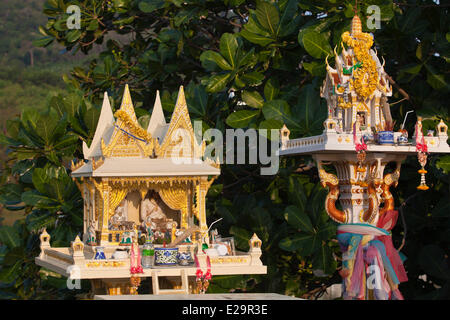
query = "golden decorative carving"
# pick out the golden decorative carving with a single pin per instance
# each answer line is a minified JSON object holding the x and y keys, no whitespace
{"x":74,"y":166}
{"x":129,"y":139}
{"x":331,"y":181}
{"x":176,"y":199}
{"x":180,"y":120}
{"x":105,"y":264}
{"x":226,"y":260}
{"x":389,"y":180}
{"x":97,"y":164}
{"x":116,"y":195}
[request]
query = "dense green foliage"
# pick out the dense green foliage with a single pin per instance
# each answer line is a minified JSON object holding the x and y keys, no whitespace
{"x":270,"y":55}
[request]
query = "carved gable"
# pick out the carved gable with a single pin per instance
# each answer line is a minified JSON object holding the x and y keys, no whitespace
{"x":180,"y":140}
{"x":129,"y":139}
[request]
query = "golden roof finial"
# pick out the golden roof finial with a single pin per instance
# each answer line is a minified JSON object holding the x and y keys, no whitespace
{"x":127,"y":104}
{"x":356,"y":25}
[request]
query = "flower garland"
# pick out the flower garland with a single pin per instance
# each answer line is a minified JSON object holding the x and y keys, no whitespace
{"x":201,"y":279}
{"x":134,"y":128}
{"x":365,"y":76}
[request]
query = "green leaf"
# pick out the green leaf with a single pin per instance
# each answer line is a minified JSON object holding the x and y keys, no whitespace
{"x":256,"y":38}
{"x":298,"y":219}
{"x":315,"y":44}
{"x":271,"y":89}
{"x":73,"y":35}
{"x":14,"y":255}
{"x":289,"y":11}
{"x":93,"y":25}
{"x":3,"y":252}
{"x":8,"y":275}
{"x":32,"y":198}
{"x":306,"y":244}
{"x":91,"y":118}
{"x":315,"y":68}
{"x":276,"y":110}
{"x":323,"y":260}
{"x":10,"y":236}
{"x":38,"y":220}
{"x":241,"y":236}
{"x":308,"y":112}
{"x":296,"y":192}
{"x":253,"y":33}
{"x":268,"y":16}
{"x":11,"y":193}
{"x":218,"y":82}
{"x":43,"y":42}
{"x":269,"y":125}
{"x":412,"y":68}
{"x":253,"y":99}
{"x":228,"y":47}
{"x":148,"y":6}
{"x":437,"y":81}
{"x":327,"y":231}
{"x":444,"y":163}
{"x":253,"y":78}
{"x":211,"y":57}
{"x":241,"y":118}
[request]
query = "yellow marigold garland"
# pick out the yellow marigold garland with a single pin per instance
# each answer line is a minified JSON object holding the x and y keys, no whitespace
{"x":133,"y":127}
{"x":361,"y":44}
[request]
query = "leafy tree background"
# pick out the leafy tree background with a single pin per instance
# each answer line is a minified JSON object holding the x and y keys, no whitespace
{"x":244,"y":64}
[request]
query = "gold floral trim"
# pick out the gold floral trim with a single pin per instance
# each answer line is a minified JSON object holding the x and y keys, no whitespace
{"x":134,"y":128}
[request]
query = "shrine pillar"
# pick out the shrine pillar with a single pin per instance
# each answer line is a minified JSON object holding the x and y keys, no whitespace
{"x":203,"y":187}
{"x":360,"y":189}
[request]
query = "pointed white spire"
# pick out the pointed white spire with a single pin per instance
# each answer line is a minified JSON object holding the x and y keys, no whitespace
{"x":157,"y":119}
{"x":104,"y":125}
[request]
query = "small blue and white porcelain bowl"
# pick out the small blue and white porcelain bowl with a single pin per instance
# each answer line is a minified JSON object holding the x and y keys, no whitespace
{"x":402,"y":140}
{"x":184,"y":258}
{"x":386,"y":137}
{"x":166,"y":256}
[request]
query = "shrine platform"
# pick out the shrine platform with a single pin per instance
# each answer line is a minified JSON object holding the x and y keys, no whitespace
{"x":208,"y":296}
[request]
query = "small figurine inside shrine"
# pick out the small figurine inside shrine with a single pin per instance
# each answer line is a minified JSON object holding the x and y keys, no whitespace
{"x":144,"y":209}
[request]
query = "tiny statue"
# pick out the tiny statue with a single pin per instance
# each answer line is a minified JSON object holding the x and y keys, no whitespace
{"x":118,"y":217}
{"x":360,"y":145}
{"x":214,"y":235}
{"x":125,"y":239}
{"x":422,"y":150}
{"x":91,"y":240}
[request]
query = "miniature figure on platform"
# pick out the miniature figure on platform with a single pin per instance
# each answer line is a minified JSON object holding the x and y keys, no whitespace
{"x":120,"y":216}
{"x":91,"y":239}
